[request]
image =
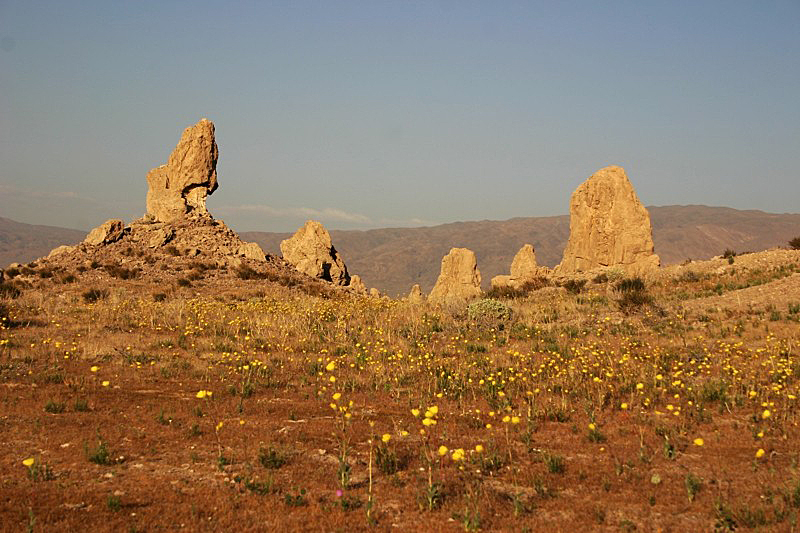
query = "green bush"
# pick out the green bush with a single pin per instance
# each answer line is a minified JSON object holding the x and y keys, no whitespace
{"x":794,"y":244}
{"x":488,"y":310}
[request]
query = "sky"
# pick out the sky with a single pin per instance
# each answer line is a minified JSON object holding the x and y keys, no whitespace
{"x":386,"y":114}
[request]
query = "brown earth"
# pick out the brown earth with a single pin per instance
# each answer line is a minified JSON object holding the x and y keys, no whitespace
{"x":717,"y":345}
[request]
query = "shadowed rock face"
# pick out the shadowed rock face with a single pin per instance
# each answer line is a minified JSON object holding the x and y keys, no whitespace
{"x":310,"y":251}
{"x":181,"y":186}
{"x":459,"y":280}
{"x":608,"y":226}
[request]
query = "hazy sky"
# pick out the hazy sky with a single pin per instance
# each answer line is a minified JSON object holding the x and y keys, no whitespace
{"x":373,"y":114}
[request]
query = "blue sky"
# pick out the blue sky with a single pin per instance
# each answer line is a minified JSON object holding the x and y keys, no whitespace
{"x":374,"y":114}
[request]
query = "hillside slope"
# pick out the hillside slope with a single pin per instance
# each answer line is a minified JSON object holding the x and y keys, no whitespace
{"x":20,"y":243}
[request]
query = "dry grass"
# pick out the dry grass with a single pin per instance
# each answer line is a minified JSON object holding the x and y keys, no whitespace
{"x":578,"y":411}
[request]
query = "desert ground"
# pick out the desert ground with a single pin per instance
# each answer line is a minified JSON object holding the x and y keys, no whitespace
{"x":212,"y":398}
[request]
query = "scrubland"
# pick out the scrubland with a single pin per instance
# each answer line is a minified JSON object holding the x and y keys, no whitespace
{"x":664,"y":403}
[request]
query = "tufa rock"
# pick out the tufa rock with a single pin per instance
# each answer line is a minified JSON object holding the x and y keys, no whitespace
{"x":59,"y":250}
{"x":416,"y":296}
{"x":459,"y":280}
{"x":106,"y":233}
{"x":181,"y":186}
{"x":523,"y":270}
{"x":375,"y":293}
{"x":310,"y":251}
{"x":608,"y":227}
{"x":357,"y":285}
{"x":252,"y":250}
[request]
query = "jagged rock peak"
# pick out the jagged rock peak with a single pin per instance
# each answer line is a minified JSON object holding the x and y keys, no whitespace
{"x":181,"y":185}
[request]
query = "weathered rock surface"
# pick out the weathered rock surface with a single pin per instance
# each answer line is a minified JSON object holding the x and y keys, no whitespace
{"x":416,"y":296}
{"x":160,"y":237}
{"x":524,"y":269}
{"x":310,"y":251}
{"x":60,"y":250}
{"x":357,"y":285}
{"x":109,"y":231}
{"x":252,"y":250}
{"x":609,"y":227}
{"x":459,"y":279}
{"x":181,"y":186}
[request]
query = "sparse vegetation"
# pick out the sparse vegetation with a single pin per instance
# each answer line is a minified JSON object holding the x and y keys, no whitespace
{"x":93,"y":295}
{"x":477,"y":415}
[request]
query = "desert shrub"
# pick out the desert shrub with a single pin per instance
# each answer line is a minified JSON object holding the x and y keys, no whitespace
{"x":201,"y":267}
{"x":159,"y":297}
{"x":245,"y":272}
{"x":633,"y":295}
{"x":690,"y":276}
{"x":9,"y":290}
{"x":4,"y":315}
{"x":183,"y":282}
{"x":728,"y":253}
{"x":488,"y":310}
{"x":172,"y":250}
{"x":67,"y":278}
{"x":195,"y":275}
{"x":520,"y":291}
{"x":117,"y":271}
{"x":46,"y":273}
{"x":794,"y":244}
{"x":600,"y":278}
{"x":12,"y":273}
{"x":574,"y":286}
{"x":631,"y":285}
{"x":92,"y":295}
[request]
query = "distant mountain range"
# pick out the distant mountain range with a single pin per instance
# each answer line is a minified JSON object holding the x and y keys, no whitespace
{"x":20,"y":243}
{"x":393,"y":259}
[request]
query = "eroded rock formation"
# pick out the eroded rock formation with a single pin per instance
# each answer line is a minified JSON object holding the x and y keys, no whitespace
{"x":109,"y":231}
{"x":524,"y":269}
{"x":181,"y":186}
{"x":310,"y":251}
{"x":609,"y":226}
{"x":459,"y":279}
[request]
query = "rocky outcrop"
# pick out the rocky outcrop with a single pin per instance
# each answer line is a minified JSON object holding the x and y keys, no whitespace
{"x":252,"y":250}
{"x":357,"y":285}
{"x":310,"y":251}
{"x":181,"y":186}
{"x":416,"y":296}
{"x":106,"y":233}
{"x":609,"y":227}
{"x":523,"y":270}
{"x":459,"y":279}
{"x":60,"y":250}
